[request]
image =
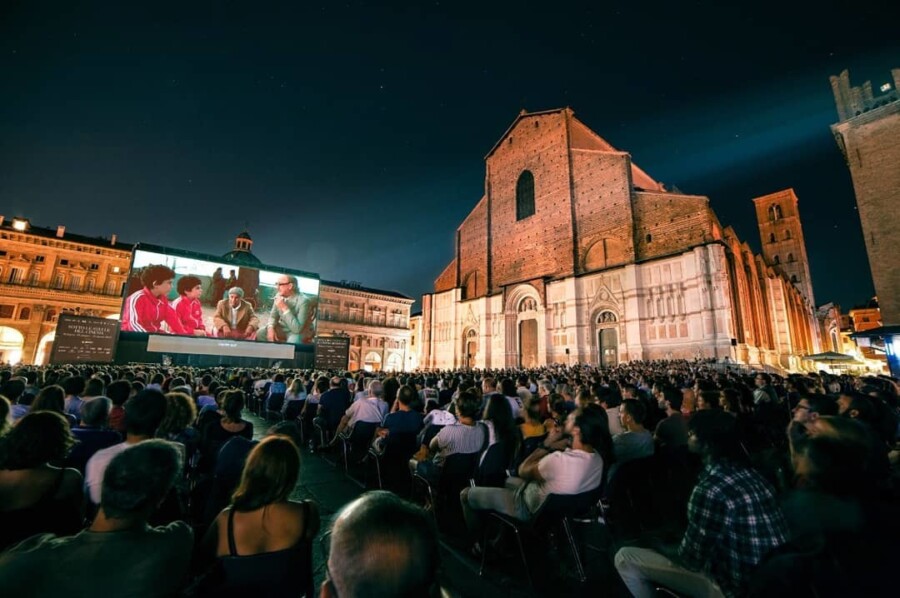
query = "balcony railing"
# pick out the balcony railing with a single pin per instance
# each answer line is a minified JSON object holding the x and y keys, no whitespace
{"x":37,"y":288}
{"x":342,"y":319}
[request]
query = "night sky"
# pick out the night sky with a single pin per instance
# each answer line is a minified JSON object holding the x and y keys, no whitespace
{"x":349,"y":137}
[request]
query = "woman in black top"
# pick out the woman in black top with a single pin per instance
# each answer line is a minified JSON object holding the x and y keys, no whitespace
{"x":263,"y":541}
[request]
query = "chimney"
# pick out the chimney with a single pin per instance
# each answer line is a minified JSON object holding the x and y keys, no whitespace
{"x":60,"y":231}
{"x":112,"y":241}
{"x":1,"y":220}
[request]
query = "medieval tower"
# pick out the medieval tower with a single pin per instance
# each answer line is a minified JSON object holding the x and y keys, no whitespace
{"x":868,"y":134}
{"x":781,"y":236}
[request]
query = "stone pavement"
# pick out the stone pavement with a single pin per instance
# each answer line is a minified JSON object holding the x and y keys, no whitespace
{"x":327,"y":485}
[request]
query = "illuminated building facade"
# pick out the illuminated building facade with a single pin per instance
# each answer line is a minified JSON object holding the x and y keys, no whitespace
{"x":575,"y":254}
{"x":376,"y":321}
{"x":867,"y":133}
{"x":44,"y":272}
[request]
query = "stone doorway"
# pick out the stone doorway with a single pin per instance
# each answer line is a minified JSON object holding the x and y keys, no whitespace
{"x":608,"y":341}
{"x":528,"y":344}
{"x":471,"y":348}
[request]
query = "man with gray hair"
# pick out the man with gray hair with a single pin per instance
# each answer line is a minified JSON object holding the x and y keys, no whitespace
{"x":92,"y":434}
{"x":292,"y":319}
{"x":119,"y":553}
{"x":235,"y":317}
{"x":372,"y":409}
{"x":382,"y":546}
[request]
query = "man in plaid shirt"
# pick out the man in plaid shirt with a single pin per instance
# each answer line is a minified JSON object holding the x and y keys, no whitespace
{"x":733,"y":522}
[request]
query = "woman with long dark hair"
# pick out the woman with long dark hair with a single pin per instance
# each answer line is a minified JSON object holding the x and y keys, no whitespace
{"x":263,"y":540}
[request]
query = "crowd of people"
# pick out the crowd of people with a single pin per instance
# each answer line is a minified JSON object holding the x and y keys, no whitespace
{"x":149,"y":478}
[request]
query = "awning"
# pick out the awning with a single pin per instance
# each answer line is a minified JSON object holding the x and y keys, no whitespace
{"x":879,"y":332}
{"x":831,"y":356}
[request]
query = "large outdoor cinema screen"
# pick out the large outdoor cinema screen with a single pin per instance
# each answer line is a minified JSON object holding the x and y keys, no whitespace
{"x":183,"y":296}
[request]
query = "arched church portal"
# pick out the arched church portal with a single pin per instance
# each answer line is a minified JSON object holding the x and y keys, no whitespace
{"x":528,"y":333}
{"x":608,"y":338}
{"x":470,"y":348}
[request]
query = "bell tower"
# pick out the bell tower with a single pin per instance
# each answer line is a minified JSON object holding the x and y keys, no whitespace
{"x":781,"y":236}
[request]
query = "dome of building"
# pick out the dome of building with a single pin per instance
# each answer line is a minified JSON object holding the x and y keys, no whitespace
{"x":242,"y":254}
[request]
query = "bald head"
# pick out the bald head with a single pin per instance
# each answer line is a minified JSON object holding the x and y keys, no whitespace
{"x":382,"y":546}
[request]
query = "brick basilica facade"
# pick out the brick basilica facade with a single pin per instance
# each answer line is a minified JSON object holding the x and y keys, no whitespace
{"x":575,"y":254}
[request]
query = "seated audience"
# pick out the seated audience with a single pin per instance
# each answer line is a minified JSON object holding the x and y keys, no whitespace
{"x":263,"y":541}
{"x":567,"y":463}
{"x":671,"y":432}
{"x":223,"y":426}
{"x":370,"y":409}
{"x":636,"y":441}
{"x":37,"y":496}
{"x":119,"y":554}
{"x":91,"y":434}
{"x":382,"y":547}
{"x":733,"y":522}
{"x":181,"y":411}
{"x":465,"y":436}
{"x":143,"y":414}
{"x":52,"y":398}
{"x":6,"y":419}
{"x":118,"y":392}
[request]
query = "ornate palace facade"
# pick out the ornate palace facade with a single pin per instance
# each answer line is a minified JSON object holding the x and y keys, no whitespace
{"x":44,"y":272}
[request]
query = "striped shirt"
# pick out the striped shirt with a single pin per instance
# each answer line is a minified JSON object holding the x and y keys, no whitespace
{"x":458,"y":438}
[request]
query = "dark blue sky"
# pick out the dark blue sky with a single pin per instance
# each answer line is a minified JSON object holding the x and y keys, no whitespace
{"x":349,"y":136}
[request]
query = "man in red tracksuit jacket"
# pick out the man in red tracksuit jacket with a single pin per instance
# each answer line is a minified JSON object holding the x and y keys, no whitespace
{"x":145,"y":310}
{"x":187,"y":305}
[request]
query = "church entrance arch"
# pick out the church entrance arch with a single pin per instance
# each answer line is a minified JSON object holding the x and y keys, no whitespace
{"x":607,"y":324}
{"x":528,"y":333}
{"x":11,"y":344}
{"x":470,"y":348}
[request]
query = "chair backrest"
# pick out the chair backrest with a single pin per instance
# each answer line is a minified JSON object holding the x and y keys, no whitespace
{"x":631,"y":493}
{"x":362,"y":434}
{"x":401,"y":445}
{"x":456,"y":472}
{"x":491,"y":470}
{"x":570,"y":505}
{"x":292,"y":411}
{"x":275,"y":401}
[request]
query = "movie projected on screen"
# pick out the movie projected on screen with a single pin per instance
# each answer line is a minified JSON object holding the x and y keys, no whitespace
{"x":182,"y":296}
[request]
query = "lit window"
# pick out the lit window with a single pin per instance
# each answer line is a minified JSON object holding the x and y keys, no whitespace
{"x":19,"y":224}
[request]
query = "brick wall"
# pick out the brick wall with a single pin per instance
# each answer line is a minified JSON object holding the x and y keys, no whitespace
{"x":473,"y":251}
{"x":447,"y":279}
{"x":540,"y":245}
{"x":873,"y":154}
{"x":673,"y":222}
{"x":603,"y":213}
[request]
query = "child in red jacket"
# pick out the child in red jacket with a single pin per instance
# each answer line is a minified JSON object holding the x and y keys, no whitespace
{"x":187,"y":305}
{"x":147,"y":309}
